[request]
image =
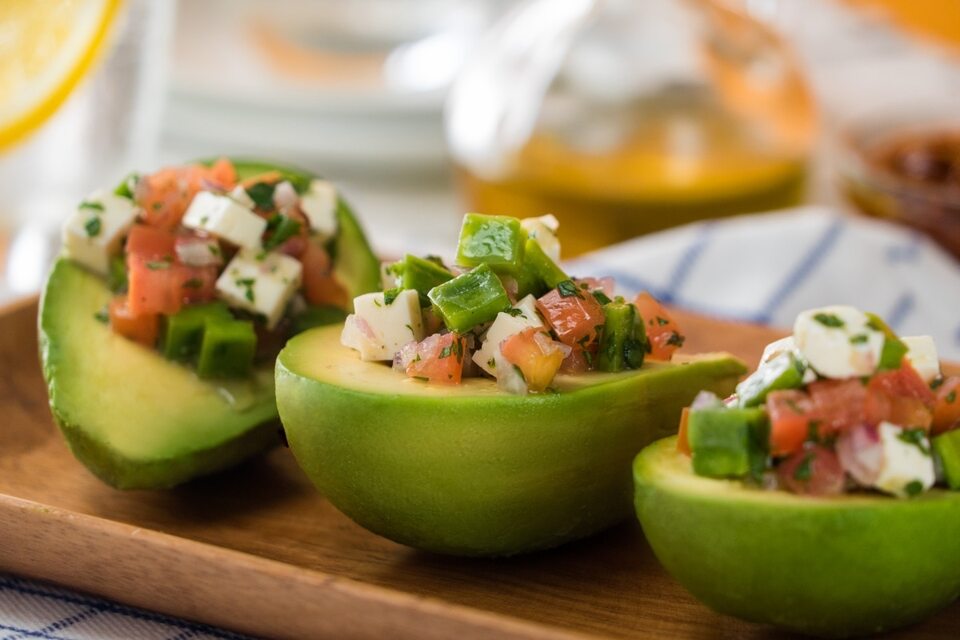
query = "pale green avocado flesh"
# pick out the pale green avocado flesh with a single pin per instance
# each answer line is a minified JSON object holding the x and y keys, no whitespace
{"x":139,"y":421}
{"x":830,"y":566}
{"x":468,"y":469}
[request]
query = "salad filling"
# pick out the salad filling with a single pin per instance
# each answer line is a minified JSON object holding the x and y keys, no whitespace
{"x":843,"y":405}
{"x":211,"y":270}
{"x":504,"y":309}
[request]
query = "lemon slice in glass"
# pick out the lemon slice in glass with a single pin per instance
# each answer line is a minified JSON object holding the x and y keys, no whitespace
{"x":46,"y":49}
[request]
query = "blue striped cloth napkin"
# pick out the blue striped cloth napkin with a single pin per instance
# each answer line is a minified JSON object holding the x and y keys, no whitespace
{"x":766,"y":268}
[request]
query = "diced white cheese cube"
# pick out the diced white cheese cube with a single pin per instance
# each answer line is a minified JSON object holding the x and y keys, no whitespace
{"x":504,"y":326}
{"x":241,"y":197}
{"x":93,"y":234}
{"x":544,"y":231}
{"x":510,"y":378}
{"x":379,"y":330}
{"x":261,"y":283}
{"x":838,"y":342}
{"x":225,"y":218}
{"x":922,"y":354}
{"x":775,"y":348}
{"x":319,"y":204}
{"x":388,"y":279}
{"x":906,"y":462}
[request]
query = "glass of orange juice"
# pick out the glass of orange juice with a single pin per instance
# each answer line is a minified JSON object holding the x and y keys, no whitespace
{"x":623,"y":117}
{"x":81,"y":94}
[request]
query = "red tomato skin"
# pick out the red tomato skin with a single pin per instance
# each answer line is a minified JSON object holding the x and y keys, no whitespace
{"x":946,"y":411}
{"x":838,"y":405}
{"x":579,"y":361}
{"x":196,"y":284}
{"x":320,"y":286}
{"x":574,"y":318}
{"x":791,"y":415}
{"x":900,"y":397}
{"x":164,"y":196}
{"x":141,"y":328}
{"x":429,"y":364}
{"x":826,"y":476}
{"x":151,"y":243}
{"x":904,"y":382}
{"x":663,"y":332}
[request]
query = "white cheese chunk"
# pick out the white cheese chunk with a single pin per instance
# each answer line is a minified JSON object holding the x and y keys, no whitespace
{"x":837,"y":341}
{"x":239,"y":195}
{"x":93,"y":234}
{"x":261,"y":283}
{"x":388,"y":279}
{"x":378,"y":330}
{"x":544,"y":231}
{"x":904,"y":462}
{"x":504,"y":326}
{"x":319,"y":205}
{"x":225,"y":218}
{"x":775,"y":348}
{"x":922,"y":354}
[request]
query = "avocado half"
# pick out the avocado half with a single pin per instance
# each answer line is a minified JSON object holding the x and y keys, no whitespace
{"x":468,"y":469}
{"x":831,"y":566}
{"x":139,"y":421}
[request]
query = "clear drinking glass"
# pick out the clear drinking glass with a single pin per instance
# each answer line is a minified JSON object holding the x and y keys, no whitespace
{"x":107,"y":127}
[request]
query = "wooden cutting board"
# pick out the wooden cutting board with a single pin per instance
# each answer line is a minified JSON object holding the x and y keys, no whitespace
{"x":259,"y":551}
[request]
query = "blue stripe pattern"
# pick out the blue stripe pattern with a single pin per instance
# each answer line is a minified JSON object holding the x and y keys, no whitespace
{"x":686,"y":262}
{"x":802,"y":271}
{"x":901,"y":310}
{"x":91,"y":607}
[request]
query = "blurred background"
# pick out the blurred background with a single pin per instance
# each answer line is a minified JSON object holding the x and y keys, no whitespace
{"x":620,"y":117}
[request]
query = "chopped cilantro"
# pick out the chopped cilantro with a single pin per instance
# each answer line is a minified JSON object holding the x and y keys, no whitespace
{"x":445,"y":352}
{"x":813,"y":431}
{"x":102,"y":316}
{"x":937,"y":383}
{"x":390,"y":295}
{"x":916,"y":437}
{"x":125,"y":188}
{"x":829,"y":320}
{"x":514,"y":312}
{"x":95,"y":206}
{"x":676,"y":339}
{"x":193,"y":283}
{"x":262,"y":195}
{"x":661,"y":321}
{"x":492,"y":363}
{"x":458,"y":349}
{"x":860,"y":338}
{"x":568,"y":289}
{"x":157,"y":265}
{"x":951,"y":397}
{"x":804,"y":470}
{"x":214,"y":249}
{"x":247,"y":284}
{"x":913,"y":488}
{"x":281,"y":228}
{"x":601,"y":297}
{"x":422,"y":378}
{"x":92,"y":226}
{"x":409,"y":328}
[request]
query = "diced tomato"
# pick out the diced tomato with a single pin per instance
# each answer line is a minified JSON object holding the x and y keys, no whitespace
{"x":683,"y":440}
{"x":578,"y":361}
{"x":536,"y":354}
{"x":151,"y":243}
{"x":439,"y":358}
{"x":838,"y":405}
{"x":161,"y":286}
{"x":575,"y":317}
{"x":165,"y":195}
{"x":320,"y":286}
{"x":814,"y":471}
{"x":901,"y":397}
{"x":142,"y":328}
{"x":605,"y":284}
{"x":791,"y":416}
{"x":904,"y":382}
{"x":663,"y":332}
{"x":946,"y":412}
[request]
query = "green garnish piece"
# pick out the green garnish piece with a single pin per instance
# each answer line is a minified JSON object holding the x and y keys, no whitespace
{"x":728,"y":443}
{"x":158,"y":265}
{"x":227,"y":349}
{"x":601,"y":297}
{"x":281,"y":228}
{"x":390,"y":295}
{"x":913,"y":488}
{"x":128,"y":186}
{"x":951,"y":397}
{"x":117,"y":276}
{"x":567,"y":289}
{"x":946,"y":448}
{"x":622,"y":338}
{"x":916,"y":437}
{"x":183,"y":331}
{"x":804,"y":470}
{"x":829,"y":320}
{"x":247,"y":285}
{"x":676,"y":339}
{"x":894,"y":349}
{"x":95,"y":206}
{"x":784,"y":371}
{"x":860,"y":338}
{"x":92,"y":226}
{"x":262,"y":195}
{"x":470,"y":299}
{"x":497,"y":241}
{"x":102,"y":316}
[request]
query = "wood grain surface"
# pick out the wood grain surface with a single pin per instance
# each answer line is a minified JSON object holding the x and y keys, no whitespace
{"x":259,"y":551}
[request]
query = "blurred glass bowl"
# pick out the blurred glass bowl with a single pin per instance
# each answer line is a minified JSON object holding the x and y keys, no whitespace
{"x":905,"y":167}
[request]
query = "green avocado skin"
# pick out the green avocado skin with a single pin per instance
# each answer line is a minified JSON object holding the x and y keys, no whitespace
{"x":473,"y":471}
{"x":832,"y":567}
{"x":139,"y":421}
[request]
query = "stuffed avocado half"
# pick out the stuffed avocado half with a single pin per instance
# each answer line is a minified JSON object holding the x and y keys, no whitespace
{"x":492,"y":406}
{"x":818,"y":497}
{"x":157,"y":372}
